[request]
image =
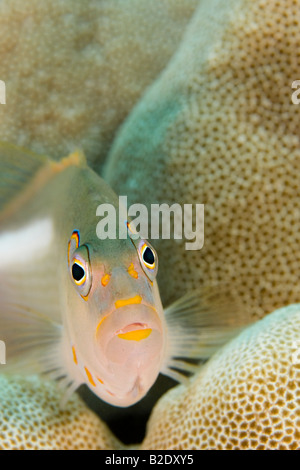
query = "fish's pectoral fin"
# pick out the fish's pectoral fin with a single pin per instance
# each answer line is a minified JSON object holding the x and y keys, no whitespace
{"x":175,"y":375}
{"x":36,"y":345}
{"x":199,"y":324}
{"x":31,"y":339}
{"x":69,"y":386}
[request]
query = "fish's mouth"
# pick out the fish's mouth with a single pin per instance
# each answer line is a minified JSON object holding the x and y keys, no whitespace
{"x":130,"y":344}
{"x":130,"y":322}
{"x":134,"y":332}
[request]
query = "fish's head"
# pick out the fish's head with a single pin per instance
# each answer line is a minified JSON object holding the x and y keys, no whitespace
{"x":115,"y":318}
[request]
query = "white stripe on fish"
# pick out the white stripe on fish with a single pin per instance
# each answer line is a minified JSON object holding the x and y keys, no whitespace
{"x":26,"y":244}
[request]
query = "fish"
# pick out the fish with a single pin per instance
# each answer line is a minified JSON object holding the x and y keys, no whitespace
{"x":82,"y":310}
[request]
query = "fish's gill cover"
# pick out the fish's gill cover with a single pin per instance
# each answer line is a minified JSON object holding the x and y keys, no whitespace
{"x":246,"y":397}
{"x":219,"y":128}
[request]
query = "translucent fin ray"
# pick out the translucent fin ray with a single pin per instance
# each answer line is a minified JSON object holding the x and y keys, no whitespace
{"x":175,"y":375}
{"x":198,"y":325}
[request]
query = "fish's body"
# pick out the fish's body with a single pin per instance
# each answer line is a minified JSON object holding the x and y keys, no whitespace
{"x":80,"y":309}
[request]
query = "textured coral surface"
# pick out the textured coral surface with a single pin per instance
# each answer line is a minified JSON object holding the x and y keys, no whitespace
{"x":73,"y":69}
{"x":31,"y":419}
{"x":218,"y":127}
{"x":246,"y":397}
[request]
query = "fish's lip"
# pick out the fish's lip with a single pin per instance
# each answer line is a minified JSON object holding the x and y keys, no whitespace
{"x":120,"y":309}
{"x":122,"y":318}
{"x":137,"y":326}
{"x":133,"y":353}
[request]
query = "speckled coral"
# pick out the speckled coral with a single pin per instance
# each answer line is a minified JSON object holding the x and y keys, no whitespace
{"x":73,"y":69}
{"x":30,"y":418}
{"x":246,"y":397}
{"x":218,"y":127}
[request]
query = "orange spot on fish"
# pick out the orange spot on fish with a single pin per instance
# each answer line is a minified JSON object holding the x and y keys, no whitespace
{"x":75,"y":236}
{"x":133,"y":300}
{"x":136,"y":335}
{"x":100,"y":322}
{"x":130,"y":228}
{"x":105,"y":280}
{"x":101,"y":381}
{"x":132,"y":271}
{"x":89,"y":376}
{"x":74,"y":355}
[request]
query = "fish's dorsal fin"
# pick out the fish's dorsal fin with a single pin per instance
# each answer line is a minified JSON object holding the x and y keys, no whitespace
{"x":23,"y":173}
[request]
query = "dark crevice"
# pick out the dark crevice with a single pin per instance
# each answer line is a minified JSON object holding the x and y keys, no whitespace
{"x":128,"y":424}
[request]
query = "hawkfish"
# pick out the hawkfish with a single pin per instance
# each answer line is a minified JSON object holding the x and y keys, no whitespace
{"x":84,"y":310}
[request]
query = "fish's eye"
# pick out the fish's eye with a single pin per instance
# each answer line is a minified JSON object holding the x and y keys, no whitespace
{"x":78,"y":273}
{"x":148,"y":256}
{"x":148,"y":259}
{"x":79,"y":265}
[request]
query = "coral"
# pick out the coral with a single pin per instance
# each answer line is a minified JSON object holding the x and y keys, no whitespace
{"x":218,"y":127}
{"x":74,"y":69}
{"x":246,"y":397}
{"x":31,"y":419}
